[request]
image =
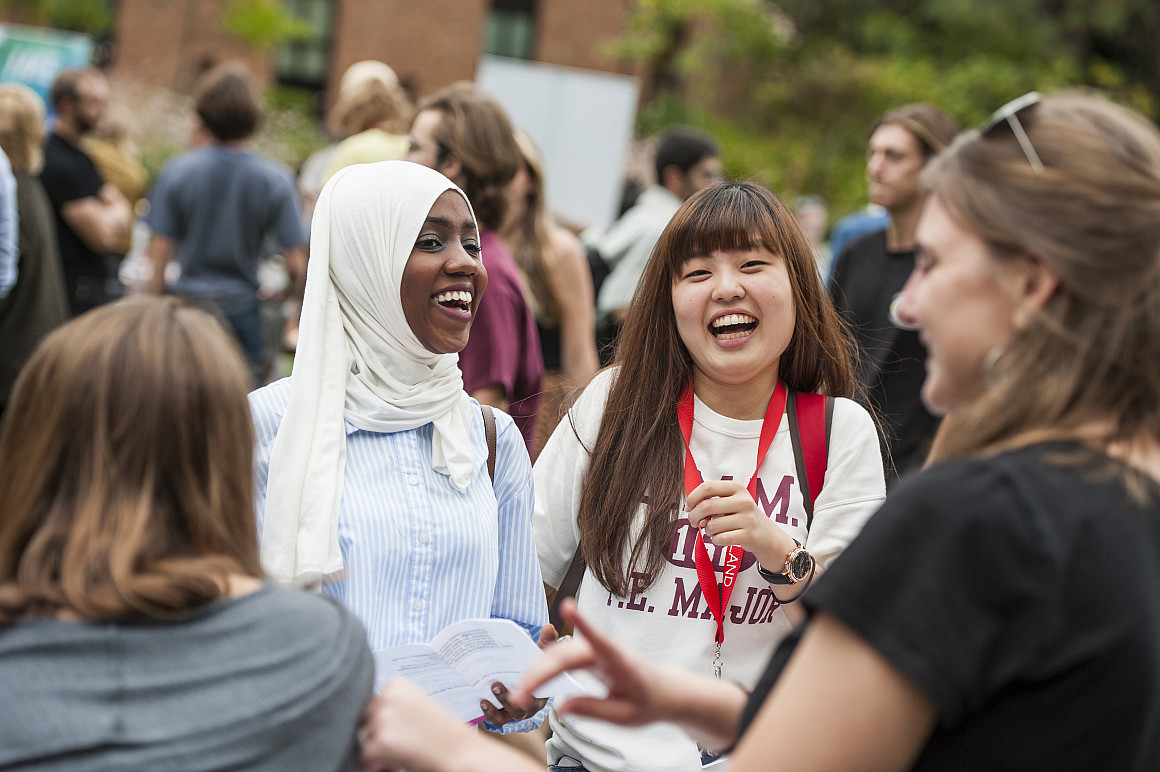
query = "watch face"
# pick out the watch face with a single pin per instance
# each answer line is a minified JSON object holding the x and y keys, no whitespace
{"x":799,"y":566}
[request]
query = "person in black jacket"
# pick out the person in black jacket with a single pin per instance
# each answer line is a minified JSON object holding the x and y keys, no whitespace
{"x":871,"y":271}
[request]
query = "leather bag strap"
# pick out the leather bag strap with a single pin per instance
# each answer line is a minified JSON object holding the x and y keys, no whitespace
{"x":489,"y":435}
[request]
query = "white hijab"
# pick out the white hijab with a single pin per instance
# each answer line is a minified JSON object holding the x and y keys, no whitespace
{"x":357,"y":360}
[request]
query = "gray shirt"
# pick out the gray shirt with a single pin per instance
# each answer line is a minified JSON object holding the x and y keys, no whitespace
{"x":275,"y":680}
{"x":629,"y":243}
{"x":218,"y":204}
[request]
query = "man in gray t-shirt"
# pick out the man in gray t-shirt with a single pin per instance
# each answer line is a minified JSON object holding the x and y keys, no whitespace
{"x":214,"y":206}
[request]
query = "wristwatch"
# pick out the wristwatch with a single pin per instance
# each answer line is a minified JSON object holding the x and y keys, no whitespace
{"x":798,"y":565}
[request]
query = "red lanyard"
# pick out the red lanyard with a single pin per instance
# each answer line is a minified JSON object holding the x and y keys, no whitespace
{"x":718,"y":597}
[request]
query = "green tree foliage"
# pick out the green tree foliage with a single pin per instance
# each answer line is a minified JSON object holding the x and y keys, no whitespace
{"x":264,"y":24}
{"x":790,"y":87}
{"x":94,"y":17}
{"x":290,"y":131}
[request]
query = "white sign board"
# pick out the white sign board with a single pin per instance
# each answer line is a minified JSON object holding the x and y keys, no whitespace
{"x":583,"y":122}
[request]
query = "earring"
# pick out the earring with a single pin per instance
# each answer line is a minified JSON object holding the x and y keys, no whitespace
{"x":991,"y":363}
{"x":895,"y":319}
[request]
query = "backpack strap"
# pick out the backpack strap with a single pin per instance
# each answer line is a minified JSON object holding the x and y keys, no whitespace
{"x":810,"y":418}
{"x":489,"y":435}
{"x":567,"y":589}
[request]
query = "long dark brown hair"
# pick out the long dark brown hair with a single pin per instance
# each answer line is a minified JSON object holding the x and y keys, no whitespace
{"x":126,"y":467}
{"x":638,"y":450}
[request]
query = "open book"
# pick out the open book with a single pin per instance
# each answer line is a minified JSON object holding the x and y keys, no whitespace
{"x":460,"y":664}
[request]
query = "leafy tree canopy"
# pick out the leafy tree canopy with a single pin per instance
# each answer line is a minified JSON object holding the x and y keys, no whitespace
{"x":94,"y":17}
{"x":790,"y":87}
{"x":263,"y":24}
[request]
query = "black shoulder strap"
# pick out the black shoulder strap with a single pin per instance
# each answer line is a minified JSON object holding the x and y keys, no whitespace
{"x":798,"y":456}
{"x":489,"y":435}
{"x":829,"y":420}
{"x":568,"y":588}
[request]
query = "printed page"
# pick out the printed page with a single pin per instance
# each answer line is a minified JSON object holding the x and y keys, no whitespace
{"x":488,"y":650}
{"x":423,"y":665}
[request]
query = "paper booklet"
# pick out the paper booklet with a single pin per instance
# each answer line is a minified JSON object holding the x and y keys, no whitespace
{"x":460,"y":664}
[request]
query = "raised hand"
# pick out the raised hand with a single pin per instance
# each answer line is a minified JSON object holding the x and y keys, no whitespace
{"x":638,"y":692}
{"x":633,"y":694}
{"x":731,"y":517}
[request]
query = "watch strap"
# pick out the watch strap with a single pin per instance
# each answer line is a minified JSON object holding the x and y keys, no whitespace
{"x":784,"y":577}
{"x":772,"y":578}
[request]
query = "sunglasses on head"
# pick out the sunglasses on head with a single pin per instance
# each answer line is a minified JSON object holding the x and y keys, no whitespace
{"x":1008,"y":115}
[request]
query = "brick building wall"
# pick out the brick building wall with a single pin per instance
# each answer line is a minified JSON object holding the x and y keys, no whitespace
{"x":171,"y":42}
{"x":572,"y":33}
{"x":430,"y":43}
{"x":433,"y":43}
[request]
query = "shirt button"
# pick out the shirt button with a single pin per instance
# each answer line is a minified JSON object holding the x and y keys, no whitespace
{"x":423,"y":538}
{"x":413,"y":480}
{"x":418,"y":605}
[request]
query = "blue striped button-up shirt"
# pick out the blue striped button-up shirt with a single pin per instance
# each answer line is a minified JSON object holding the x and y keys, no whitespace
{"x":419,"y":554}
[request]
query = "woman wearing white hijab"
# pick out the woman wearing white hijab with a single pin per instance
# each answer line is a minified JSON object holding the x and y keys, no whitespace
{"x":371,"y":462}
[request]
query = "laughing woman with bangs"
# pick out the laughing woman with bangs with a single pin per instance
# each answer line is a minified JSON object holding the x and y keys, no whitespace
{"x":687,"y":441}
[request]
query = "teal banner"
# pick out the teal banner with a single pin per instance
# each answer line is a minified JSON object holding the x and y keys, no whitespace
{"x":33,"y":56}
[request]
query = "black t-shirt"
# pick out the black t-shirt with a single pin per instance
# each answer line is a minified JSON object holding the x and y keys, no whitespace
{"x":69,"y":175}
{"x":893,"y":361}
{"x":550,"y":346}
{"x":1021,"y":594}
